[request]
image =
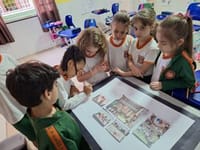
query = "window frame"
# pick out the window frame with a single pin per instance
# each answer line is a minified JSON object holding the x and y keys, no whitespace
{"x":19,"y":14}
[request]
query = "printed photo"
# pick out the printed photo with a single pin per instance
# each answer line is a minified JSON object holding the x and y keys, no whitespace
{"x":117,"y":130}
{"x":151,"y":130}
{"x":125,"y":110}
{"x":103,"y":117}
{"x":100,"y":100}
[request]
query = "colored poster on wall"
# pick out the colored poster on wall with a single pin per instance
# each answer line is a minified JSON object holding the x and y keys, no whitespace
{"x":61,"y":1}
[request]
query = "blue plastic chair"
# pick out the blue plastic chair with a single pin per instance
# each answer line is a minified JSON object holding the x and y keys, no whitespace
{"x":69,"y":21}
{"x":163,"y":15}
{"x":71,"y":32}
{"x":115,"y":8}
{"x":194,"y":98}
{"x":90,"y":23}
{"x":193,"y":11}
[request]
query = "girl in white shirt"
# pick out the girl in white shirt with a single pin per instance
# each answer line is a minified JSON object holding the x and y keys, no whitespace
{"x":68,"y":95}
{"x":93,"y":44}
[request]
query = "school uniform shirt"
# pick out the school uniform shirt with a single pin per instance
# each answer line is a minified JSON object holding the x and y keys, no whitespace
{"x":65,"y":126}
{"x":160,"y":66}
{"x":9,"y":107}
{"x":178,"y":73}
{"x":118,"y":52}
{"x":64,"y":101}
{"x":90,"y":63}
{"x":147,"y":53}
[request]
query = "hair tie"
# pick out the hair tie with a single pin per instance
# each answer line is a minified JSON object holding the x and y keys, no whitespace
{"x":184,"y":16}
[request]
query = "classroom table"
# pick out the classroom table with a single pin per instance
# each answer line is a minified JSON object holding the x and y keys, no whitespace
{"x":183,"y":121}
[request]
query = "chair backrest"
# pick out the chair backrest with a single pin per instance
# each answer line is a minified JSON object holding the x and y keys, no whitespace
{"x":69,"y":22}
{"x":193,"y":11}
{"x":115,"y":8}
{"x":90,"y":23}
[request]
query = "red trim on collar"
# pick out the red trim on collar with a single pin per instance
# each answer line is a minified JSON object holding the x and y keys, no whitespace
{"x":188,"y":58}
{"x":141,"y":46}
{"x":116,"y":45}
{"x":164,"y":56}
{"x":1,"y":58}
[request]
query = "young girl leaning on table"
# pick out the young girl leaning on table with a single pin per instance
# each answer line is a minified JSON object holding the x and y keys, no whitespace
{"x":68,"y":95}
{"x":93,"y":44}
{"x":174,"y":66}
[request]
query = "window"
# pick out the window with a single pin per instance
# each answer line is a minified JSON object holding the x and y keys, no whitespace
{"x":13,"y":10}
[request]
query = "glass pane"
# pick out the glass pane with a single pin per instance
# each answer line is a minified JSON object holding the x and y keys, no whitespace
{"x":13,"y":10}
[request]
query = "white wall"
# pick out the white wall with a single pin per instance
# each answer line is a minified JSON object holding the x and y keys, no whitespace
{"x":29,"y":37}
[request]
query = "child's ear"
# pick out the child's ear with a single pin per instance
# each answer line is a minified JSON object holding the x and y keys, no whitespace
{"x":47,"y":94}
{"x":180,"y":42}
{"x":70,"y":64}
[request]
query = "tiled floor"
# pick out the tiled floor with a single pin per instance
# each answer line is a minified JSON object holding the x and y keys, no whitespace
{"x":50,"y":56}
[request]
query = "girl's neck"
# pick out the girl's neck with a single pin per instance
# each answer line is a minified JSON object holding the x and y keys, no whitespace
{"x":168,"y":55}
{"x":113,"y":42}
{"x":91,"y":56}
{"x":0,"y":58}
{"x":42,"y":111}
{"x":143,"y":41}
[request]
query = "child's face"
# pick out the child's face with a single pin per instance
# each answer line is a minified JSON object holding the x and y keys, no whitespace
{"x":91,"y":51}
{"x":119,"y":30}
{"x":54,"y":92}
{"x":164,"y":44}
{"x":141,"y":31}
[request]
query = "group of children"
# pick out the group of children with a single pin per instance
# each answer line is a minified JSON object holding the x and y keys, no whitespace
{"x":40,"y":93}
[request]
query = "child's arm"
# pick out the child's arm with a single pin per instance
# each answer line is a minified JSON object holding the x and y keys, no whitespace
{"x":156,"y":85}
{"x":83,"y":76}
{"x":67,"y":103}
{"x":122,"y":73}
{"x":74,"y":90}
{"x":138,"y":72}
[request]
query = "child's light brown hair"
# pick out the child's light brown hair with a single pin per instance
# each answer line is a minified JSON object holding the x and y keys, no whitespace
{"x":146,"y":16}
{"x":176,"y":27}
{"x":95,"y":37}
{"x":122,"y":17}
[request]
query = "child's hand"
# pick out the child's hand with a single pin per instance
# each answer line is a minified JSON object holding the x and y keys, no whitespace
{"x":118,"y":71}
{"x":87,"y":89}
{"x":135,"y":71}
{"x":73,"y":91}
{"x":130,"y":58}
{"x":105,"y":66}
{"x":156,"y":85}
{"x":99,"y":68}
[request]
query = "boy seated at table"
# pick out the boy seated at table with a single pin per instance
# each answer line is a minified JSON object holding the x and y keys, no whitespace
{"x":33,"y":84}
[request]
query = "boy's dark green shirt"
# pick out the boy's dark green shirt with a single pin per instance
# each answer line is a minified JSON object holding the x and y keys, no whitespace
{"x":65,"y":125}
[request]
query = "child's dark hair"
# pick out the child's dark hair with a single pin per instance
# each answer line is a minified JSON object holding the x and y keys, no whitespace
{"x":28,"y":81}
{"x":176,"y":27}
{"x":72,"y":53}
{"x":95,"y":37}
{"x":122,"y":17}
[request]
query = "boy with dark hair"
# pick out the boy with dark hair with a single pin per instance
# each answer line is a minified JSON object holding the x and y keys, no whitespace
{"x":34,"y":85}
